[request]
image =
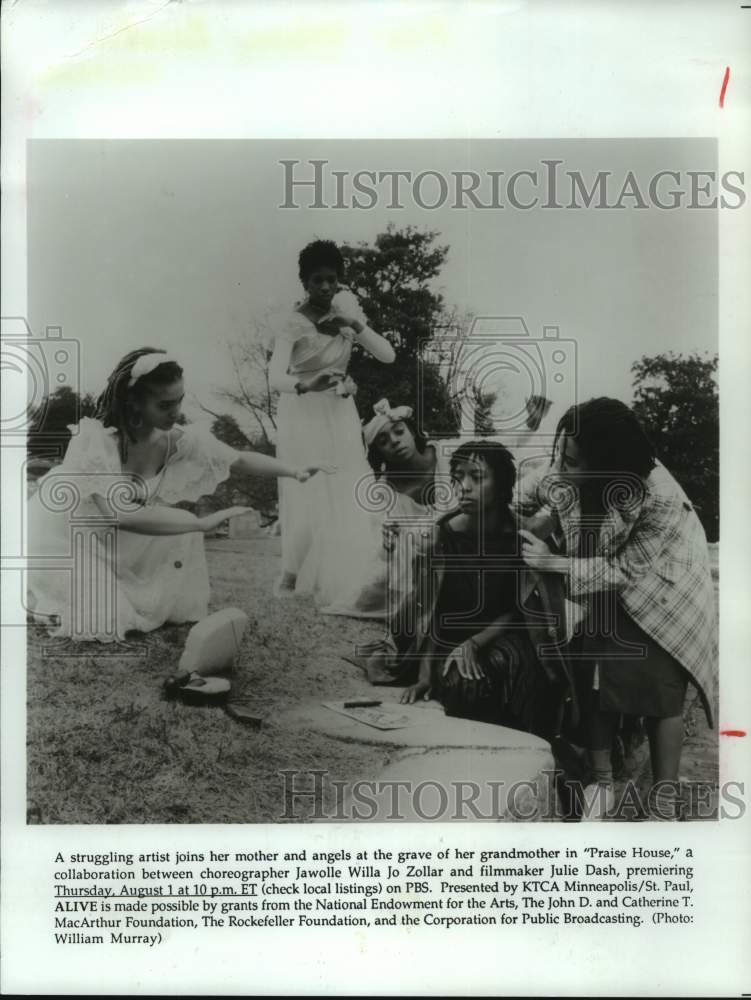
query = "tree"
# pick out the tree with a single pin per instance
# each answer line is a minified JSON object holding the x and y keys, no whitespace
{"x":240,"y":488}
{"x":538,"y":408}
{"x":392,"y":279}
{"x":48,"y":435}
{"x":251,"y":358}
{"x":483,"y":413}
{"x":676,"y":398}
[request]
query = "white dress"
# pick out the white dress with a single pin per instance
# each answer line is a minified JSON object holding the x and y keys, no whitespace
{"x":102,"y":581}
{"x":385,"y":574}
{"x":327,"y":525}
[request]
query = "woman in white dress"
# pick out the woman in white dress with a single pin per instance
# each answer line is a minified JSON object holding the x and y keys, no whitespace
{"x":107,"y":550}
{"x":325,"y":531}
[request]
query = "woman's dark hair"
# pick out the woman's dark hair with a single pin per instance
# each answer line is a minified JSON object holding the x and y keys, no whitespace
{"x":115,"y":405}
{"x":610,"y":436}
{"x":374,"y":458}
{"x":498,"y":459}
{"x":320,"y":253}
{"x":616,"y":448}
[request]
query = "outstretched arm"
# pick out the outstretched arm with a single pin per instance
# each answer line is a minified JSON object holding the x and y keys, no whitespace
{"x":255,"y":464}
{"x":165,"y":520}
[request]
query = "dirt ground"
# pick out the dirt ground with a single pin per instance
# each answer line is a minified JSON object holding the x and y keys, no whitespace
{"x":103,"y":746}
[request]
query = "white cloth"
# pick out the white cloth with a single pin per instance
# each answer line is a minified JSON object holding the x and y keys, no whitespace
{"x":326,"y":529}
{"x":102,"y":581}
{"x":385,"y":573}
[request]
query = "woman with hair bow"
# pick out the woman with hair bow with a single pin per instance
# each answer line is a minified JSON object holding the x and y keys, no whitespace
{"x":108,"y":550}
{"x":402,"y":498}
{"x":400,"y":455}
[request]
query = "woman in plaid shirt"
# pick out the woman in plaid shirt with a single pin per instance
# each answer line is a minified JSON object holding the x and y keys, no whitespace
{"x":635,"y":558}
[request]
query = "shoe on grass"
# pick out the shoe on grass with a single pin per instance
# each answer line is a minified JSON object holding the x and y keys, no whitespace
{"x":195,"y":689}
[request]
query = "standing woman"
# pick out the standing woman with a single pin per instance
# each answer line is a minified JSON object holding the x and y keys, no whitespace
{"x":324,"y":530}
{"x":635,"y":558}
{"x":124,"y":470}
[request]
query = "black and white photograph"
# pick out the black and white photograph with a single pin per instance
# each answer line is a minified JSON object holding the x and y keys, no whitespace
{"x":374,"y":462}
{"x":374,"y":611}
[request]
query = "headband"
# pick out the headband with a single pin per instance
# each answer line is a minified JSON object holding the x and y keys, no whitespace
{"x":384,"y":416}
{"x":146,"y":364}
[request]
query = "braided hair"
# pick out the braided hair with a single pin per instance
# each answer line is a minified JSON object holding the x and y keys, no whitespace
{"x":320,"y":253}
{"x":115,"y":405}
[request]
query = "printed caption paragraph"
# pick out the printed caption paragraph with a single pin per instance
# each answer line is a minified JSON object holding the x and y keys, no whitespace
{"x":145,"y":899}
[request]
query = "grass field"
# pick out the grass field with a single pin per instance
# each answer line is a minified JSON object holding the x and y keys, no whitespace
{"x":104,"y":747}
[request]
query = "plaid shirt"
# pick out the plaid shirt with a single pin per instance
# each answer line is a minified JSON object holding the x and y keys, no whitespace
{"x":654,"y":554}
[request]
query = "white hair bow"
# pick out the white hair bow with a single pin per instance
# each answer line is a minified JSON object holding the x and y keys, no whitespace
{"x":147,"y":363}
{"x":384,"y":415}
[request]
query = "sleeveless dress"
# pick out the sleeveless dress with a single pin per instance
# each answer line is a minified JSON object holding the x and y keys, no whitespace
{"x":328,"y":526}
{"x":103,"y":582}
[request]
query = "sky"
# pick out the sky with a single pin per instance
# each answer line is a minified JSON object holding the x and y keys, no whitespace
{"x":181,"y":244}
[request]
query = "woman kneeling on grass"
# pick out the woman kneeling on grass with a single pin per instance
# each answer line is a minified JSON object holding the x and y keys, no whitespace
{"x":127,"y":468}
{"x":473,"y":647}
{"x":634,"y":556}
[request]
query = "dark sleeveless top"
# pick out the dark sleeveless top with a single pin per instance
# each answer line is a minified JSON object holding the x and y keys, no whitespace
{"x":479,"y":584}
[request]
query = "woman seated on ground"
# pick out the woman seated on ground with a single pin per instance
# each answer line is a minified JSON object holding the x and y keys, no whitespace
{"x":124,"y":471}
{"x":472,"y":647}
{"x":406,"y":491}
{"x":401,"y":456}
{"x":633,"y":555}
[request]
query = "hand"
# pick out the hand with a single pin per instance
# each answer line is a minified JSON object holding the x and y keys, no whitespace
{"x":334,"y":321}
{"x":211,"y":521}
{"x":322,"y":381}
{"x":537,"y":554}
{"x":344,"y":311}
{"x":303,"y":475}
{"x":466,"y":659}
{"x":415,"y":693}
{"x":347,"y":387}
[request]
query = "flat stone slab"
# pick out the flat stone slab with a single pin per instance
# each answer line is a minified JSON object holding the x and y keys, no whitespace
{"x":430,"y":728}
{"x":458,"y":785}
